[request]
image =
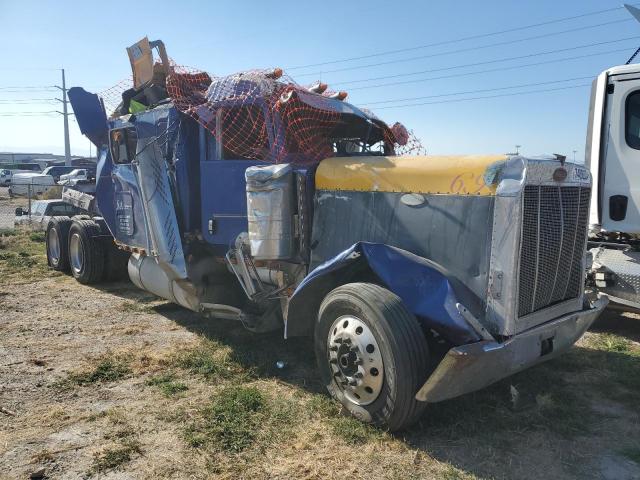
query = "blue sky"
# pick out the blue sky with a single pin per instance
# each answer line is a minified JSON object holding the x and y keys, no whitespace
{"x":89,"y":40}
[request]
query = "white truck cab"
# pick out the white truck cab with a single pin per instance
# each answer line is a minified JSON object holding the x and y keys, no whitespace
{"x":613,"y":155}
{"x":613,"y":149}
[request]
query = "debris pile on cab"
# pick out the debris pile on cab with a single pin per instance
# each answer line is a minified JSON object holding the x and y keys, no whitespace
{"x":254,"y":109}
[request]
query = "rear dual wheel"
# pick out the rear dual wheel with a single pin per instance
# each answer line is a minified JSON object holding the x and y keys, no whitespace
{"x":83,"y":246}
{"x":56,"y":239}
{"x":86,"y":252}
{"x":372,"y":354}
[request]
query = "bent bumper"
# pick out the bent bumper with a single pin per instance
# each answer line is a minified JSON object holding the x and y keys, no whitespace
{"x":471,"y":367}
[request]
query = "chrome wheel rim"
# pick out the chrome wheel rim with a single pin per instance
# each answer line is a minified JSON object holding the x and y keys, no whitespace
{"x":54,"y":246}
{"x":76,"y":255}
{"x":355,"y":360}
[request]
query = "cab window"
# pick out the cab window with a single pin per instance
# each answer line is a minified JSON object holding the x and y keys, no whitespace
{"x":39,"y":209}
{"x":632,"y":120}
{"x":62,"y":209}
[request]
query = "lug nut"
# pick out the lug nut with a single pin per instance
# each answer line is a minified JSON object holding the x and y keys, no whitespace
{"x":358,"y":375}
{"x":353,"y":383}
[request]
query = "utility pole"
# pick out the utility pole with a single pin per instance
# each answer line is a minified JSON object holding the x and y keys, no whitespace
{"x":65,"y":115}
{"x":574,"y":156}
{"x":518,"y":149}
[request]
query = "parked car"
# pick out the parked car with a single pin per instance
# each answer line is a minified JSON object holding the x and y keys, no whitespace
{"x":57,"y":170}
{"x":25,"y":184}
{"x":74,"y":176}
{"x":5,"y":177}
{"x":42,"y":211}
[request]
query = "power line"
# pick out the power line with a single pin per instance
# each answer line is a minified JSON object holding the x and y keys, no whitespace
{"x":462,"y":39}
{"x":522,"y":85}
{"x":464,"y":50}
{"x":28,"y":100}
{"x":455,"y":100}
{"x":23,"y":87}
{"x":486,"y":62}
{"x":28,"y":114}
{"x":489,"y":70}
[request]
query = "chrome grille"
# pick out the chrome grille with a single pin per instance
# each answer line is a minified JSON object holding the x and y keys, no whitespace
{"x":554,"y":230}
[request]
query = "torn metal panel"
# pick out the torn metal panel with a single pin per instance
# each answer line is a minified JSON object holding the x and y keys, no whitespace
{"x":90,"y":115}
{"x":79,"y":199}
{"x":423,"y":286}
{"x":468,"y":368}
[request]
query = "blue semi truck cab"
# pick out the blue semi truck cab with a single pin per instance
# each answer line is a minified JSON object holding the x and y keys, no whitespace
{"x":252,"y":198}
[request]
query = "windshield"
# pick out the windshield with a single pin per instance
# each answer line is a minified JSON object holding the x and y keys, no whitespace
{"x":61,"y":209}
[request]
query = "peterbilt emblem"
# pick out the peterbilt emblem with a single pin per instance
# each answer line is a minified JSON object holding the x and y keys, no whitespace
{"x":581,"y":174}
{"x":559,"y":174}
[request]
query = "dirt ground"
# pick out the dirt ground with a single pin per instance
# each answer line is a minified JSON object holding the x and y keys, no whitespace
{"x":113,"y":383}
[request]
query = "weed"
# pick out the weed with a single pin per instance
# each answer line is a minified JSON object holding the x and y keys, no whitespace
{"x":232,"y":421}
{"x":610,"y":343}
{"x":136,"y":307}
{"x":114,"y":457}
{"x":206,"y":360}
{"x":632,"y":453}
{"x":37,"y":237}
{"x":108,"y":370}
{"x":323,"y":406}
{"x":167,"y":384}
{"x":353,"y":431}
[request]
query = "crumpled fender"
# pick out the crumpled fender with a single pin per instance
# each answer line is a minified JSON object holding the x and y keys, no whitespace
{"x":424,"y":287}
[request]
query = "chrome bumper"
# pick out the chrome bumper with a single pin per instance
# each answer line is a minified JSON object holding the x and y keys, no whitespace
{"x":471,"y":367}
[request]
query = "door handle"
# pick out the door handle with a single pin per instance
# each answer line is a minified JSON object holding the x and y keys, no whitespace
{"x":618,"y":207}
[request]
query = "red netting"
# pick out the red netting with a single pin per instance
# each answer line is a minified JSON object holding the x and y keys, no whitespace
{"x":264,"y":115}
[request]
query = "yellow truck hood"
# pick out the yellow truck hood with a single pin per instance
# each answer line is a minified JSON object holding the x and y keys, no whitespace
{"x":452,"y":175}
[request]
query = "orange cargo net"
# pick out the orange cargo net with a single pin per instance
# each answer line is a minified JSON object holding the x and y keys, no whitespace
{"x":262,"y":114}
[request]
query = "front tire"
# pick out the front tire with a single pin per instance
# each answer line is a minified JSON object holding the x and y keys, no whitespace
{"x":372,"y":354}
{"x":86,"y":252}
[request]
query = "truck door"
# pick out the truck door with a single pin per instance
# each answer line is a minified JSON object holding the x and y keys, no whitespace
{"x":620,"y":170}
{"x":223,"y":191}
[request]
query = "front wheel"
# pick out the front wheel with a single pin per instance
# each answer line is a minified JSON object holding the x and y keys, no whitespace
{"x":372,"y":354}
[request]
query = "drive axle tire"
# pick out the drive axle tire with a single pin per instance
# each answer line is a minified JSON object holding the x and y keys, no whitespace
{"x":56,"y":240}
{"x":86,"y":252}
{"x":372,"y":354}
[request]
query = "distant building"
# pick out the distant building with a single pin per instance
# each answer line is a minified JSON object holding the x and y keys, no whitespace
{"x":42,"y":159}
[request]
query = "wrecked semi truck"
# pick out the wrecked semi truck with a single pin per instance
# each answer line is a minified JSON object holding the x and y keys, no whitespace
{"x":254,"y":199}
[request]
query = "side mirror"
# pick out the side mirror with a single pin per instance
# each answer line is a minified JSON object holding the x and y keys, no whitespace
{"x":19,"y":212}
{"x":123,"y":143}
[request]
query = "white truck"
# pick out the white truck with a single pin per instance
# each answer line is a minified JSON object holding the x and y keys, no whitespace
{"x":613,"y":155}
{"x":37,"y":218}
{"x":30,"y":184}
{"x":74,"y":176}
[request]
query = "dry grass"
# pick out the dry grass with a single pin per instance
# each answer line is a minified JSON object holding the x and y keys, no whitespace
{"x":22,"y":257}
{"x":154,"y":391}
